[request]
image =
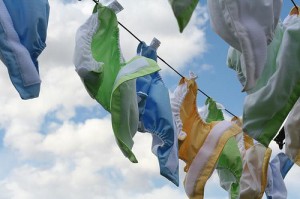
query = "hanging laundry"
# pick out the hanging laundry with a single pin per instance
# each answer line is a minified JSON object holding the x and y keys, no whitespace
{"x":248,"y":26}
{"x":176,"y":101}
{"x":255,"y":158}
{"x":203,"y":143}
{"x":214,"y":111}
{"x":254,"y":177}
{"x":234,"y":59}
{"x":23,"y":31}
{"x":87,"y":67}
{"x":155,"y":116}
{"x":183,"y":11}
{"x":266,"y":109}
{"x":109,"y":79}
{"x":278,"y":168}
{"x":229,"y":165}
{"x":234,"y":62}
{"x":230,"y":168}
{"x":292,"y":134}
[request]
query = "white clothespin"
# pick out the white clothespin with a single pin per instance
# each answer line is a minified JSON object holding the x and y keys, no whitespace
{"x":155,"y":43}
{"x":115,"y":6}
{"x":193,"y":75}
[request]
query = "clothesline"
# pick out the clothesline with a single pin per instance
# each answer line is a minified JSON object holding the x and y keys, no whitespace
{"x":161,"y":59}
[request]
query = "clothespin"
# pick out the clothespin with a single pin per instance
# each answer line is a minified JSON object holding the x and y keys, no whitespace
{"x":155,"y":43}
{"x":115,"y":6}
{"x":193,"y":75}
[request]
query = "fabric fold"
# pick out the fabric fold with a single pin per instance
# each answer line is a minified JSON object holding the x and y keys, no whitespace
{"x":23,"y":31}
{"x":86,"y":66}
{"x":234,"y":61}
{"x":176,"y":101}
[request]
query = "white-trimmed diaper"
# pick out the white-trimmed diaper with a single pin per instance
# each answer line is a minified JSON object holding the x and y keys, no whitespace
{"x":248,"y":26}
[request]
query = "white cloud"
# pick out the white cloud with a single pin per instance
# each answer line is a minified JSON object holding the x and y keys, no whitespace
{"x":86,"y":163}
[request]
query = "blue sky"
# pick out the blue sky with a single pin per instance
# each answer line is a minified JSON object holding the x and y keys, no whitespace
{"x":61,"y":144}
